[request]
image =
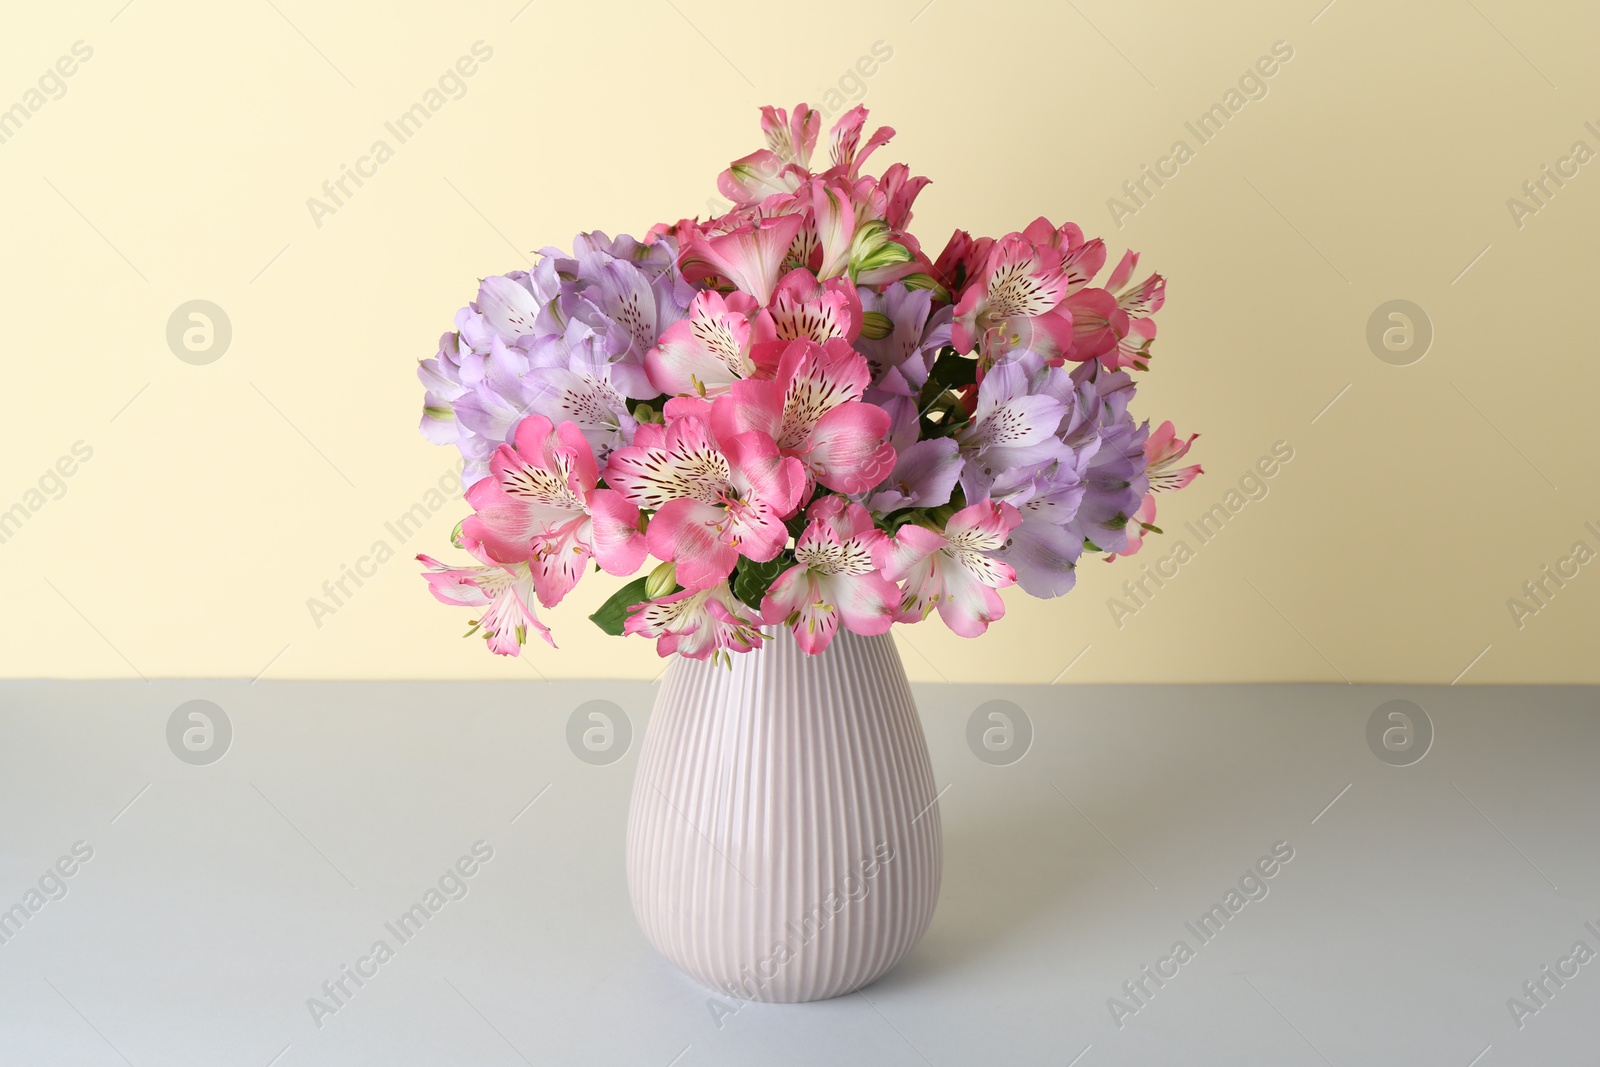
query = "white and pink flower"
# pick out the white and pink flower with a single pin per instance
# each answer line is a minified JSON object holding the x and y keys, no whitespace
{"x":505,"y":593}
{"x":837,"y":578}
{"x":540,"y":507}
{"x":1163,"y":449}
{"x":1014,"y":304}
{"x":812,"y":410}
{"x":955,"y":572}
{"x":697,"y":624}
{"x":709,"y":348}
{"x":714,"y":499}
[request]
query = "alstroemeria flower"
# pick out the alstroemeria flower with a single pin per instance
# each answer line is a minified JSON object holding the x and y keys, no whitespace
{"x":570,"y":379}
{"x":1139,"y":302}
{"x":1014,"y":303}
{"x":955,"y":572}
{"x":1042,"y":549}
{"x":833,"y":216}
{"x":505,"y":591}
{"x":961,"y":261}
{"x":1012,"y":426}
{"x":709,"y":349}
{"x":845,"y":150}
{"x":714,"y":498}
{"x":907,"y":337}
{"x":819,"y":311}
{"x":751,"y":179}
{"x":1099,"y":321}
{"x":508,"y":305}
{"x":782,"y":165}
{"x":791,"y":136}
{"x":1080,"y":260}
{"x":1133,"y":349}
{"x":1098,"y":324}
{"x":1162,"y":452}
{"x":1114,"y":477}
{"x":837,"y":578}
{"x":696,"y":624}
{"x":813,"y":410}
{"x":895,"y":193}
{"x":1143,"y":520}
{"x":750,"y":257}
{"x":925,"y":471}
{"x":539,"y":505}
{"x":924,"y":476}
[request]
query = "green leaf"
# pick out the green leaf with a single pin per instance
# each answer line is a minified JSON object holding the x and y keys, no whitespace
{"x":951,"y":370}
{"x":614,"y":612}
{"x":751,"y":580}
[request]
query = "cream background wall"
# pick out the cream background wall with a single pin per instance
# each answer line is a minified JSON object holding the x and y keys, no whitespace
{"x":177,"y":161}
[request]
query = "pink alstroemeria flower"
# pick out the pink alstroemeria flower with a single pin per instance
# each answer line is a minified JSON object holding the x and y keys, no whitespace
{"x":1138,"y":302}
{"x":1081,"y":260}
{"x":845,"y":150}
{"x":1142,"y":522}
{"x":782,"y":165}
{"x":699,"y":625}
{"x":791,"y":136}
{"x":837,"y":579}
{"x":834,"y":217}
{"x":955,"y":571}
{"x":1163,"y":449}
{"x":709,"y":349}
{"x":715,"y":498}
{"x":804,"y":307}
{"x":813,"y":410}
{"x":539,"y":506}
{"x":505,"y":591}
{"x":1015,"y":303}
{"x":961,"y":261}
{"x":750,"y":257}
{"x":1133,"y":350}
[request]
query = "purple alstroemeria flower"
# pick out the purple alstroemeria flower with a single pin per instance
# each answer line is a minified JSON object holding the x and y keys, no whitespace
{"x":925,"y":472}
{"x":1042,"y":549}
{"x":566,"y":340}
{"x":1115,"y":482}
{"x":571,"y":378}
{"x":924,"y":476}
{"x":901,"y":360}
{"x":1013,"y":427}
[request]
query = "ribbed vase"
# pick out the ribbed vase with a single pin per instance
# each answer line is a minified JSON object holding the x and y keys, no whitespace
{"x":783,"y":841}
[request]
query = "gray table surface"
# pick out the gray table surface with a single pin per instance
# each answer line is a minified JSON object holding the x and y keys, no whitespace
{"x":220,"y":897}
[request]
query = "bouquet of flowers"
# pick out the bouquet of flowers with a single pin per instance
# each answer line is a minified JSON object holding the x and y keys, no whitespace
{"x":804,"y":419}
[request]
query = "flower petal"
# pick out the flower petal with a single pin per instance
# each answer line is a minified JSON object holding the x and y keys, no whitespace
{"x":690,"y":534}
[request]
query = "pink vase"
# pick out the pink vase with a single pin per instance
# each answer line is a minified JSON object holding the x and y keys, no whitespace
{"x":783,"y":841}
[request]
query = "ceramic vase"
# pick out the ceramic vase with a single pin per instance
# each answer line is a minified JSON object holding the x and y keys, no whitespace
{"x":783,"y":839}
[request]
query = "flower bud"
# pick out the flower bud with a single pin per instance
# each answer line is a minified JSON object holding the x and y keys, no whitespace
{"x":926,"y":281}
{"x":662,"y":580}
{"x":875,"y":325}
{"x":872,"y":248}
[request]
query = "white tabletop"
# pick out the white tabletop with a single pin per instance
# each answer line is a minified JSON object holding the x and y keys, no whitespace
{"x":220,"y":897}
